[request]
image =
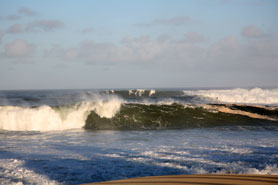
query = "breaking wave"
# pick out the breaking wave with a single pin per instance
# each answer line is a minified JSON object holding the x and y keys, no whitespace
{"x":158,"y":110}
{"x":154,"y":116}
{"x":46,"y":118}
{"x":238,"y":95}
{"x":114,"y":114}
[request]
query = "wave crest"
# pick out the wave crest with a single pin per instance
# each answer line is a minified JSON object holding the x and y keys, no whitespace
{"x":238,"y":95}
{"x":46,"y":118}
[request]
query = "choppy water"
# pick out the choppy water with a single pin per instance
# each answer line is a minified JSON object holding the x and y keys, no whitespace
{"x":78,"y":156}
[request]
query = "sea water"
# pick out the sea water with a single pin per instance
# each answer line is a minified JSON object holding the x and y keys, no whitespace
{"x":43,"y":140}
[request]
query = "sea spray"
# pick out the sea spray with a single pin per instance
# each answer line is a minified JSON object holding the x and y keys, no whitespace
{"x":107,"y":109}
{"x":151,"y":92}
{"x":139,"y":92}
{"x":238,"y":95}
{"x":46,"y":118}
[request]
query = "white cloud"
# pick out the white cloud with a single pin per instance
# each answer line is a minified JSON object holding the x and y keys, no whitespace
{"x":45,"y":25}
{"x":231,"y":54}
{"x":226,"y":47}
{"x":42,"y":25}
{"x":188,"y":52}
{"x":1,"y":35}
{"x":263,"y":48}
{"x":174,"y":21}
{"x":27,"y":11}
{"x":54,"y":52}
{"x":87,"y":30}
{"x":10,"y":17}
{"x":16,"y":28}
{"x":19,"y":49}
{"x":13,"y":17}
{"x":252,"y":32}
{"x":71,"y":54}
{"x":193,"y":37}
{"x":132,"y":49}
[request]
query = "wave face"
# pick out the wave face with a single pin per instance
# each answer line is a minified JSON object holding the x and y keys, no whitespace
{"x":174,"y":116}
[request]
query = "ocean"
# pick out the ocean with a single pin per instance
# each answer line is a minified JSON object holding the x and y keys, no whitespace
{"x":82,"y":136}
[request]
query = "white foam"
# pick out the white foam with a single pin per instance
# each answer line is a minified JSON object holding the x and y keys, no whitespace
{"x":109,"y":91}
{"x":14,"y":169}
{"x":46,"y":118}
{"x":139,"y":92}
{"x":237,"y":168}
{"x":269,"y":170}
{"x":238,"y":95}
{"x":130,"y":92}
{"x":151,"y":92}
{"x":107,"y":108}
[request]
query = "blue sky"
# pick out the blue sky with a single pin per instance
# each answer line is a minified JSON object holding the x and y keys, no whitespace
{"x":138,"y":44}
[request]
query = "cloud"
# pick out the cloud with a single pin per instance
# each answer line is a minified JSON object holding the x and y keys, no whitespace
{"x":45,"y":25}
{"x":226,"y":47}
{"x":231,"y":53}
{"x":42,"y":25}
{"x":87,"y":30}
{"x":187,"y":52}
{"x":10,"y":17}
{"x":252,"y":32}
{"x":54,"y":52}
{"x":13,"y":17}
{"x":27,"y":11}
{"x":175,"y":21}
{"x":71,"y":54}
{"x":16,"y":28}
{"x":256,"y":3}
{"x":263,"y":48}
{"x":19,"y":49}
{"x":193,"y":37}
{"x":2,"y":33}
{"x":141,"y":49}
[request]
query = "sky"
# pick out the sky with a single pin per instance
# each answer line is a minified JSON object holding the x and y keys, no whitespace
{"x":96,"y":44}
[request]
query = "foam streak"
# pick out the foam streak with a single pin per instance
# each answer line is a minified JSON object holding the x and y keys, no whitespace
{"x":238,"y":95}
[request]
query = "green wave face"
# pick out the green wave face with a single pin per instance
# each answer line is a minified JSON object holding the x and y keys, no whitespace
{"x":174,"y":116}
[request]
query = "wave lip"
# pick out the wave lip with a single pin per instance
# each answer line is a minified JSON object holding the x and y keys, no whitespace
{"x":47,"y":118}
{"x":239,"y":95}
{"x":43,"y":118}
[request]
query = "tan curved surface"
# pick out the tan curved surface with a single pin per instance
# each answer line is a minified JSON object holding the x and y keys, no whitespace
{"x":198,"y":180}
{"x":240,"y":112}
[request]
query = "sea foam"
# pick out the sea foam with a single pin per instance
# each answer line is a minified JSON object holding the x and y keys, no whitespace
{"x":239,"y":95}
{"x":46,"y":118}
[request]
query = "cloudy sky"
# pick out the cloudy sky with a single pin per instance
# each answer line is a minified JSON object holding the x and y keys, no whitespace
{"x":138,"y":44}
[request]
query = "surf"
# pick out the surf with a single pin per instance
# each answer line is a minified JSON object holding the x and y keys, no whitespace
{"x":115,"y":114}
{"x":137,"y":109}
{"x":238,"y":95}
{"x":48,"y":118}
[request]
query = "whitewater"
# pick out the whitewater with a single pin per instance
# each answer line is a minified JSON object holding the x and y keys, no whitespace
{"x":46,"y":118}
{"x":81,"y":136}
